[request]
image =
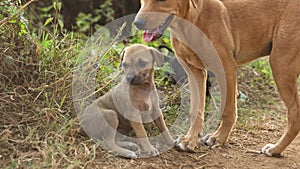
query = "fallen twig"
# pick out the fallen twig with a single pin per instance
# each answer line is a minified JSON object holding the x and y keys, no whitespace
{"x":254,"y":152}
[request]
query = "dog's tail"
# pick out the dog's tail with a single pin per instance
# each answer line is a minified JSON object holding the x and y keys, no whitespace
{"x":166,"y":58}
{"x":160,"y":47}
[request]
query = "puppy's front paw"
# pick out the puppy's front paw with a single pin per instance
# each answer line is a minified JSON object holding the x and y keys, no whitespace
{"x":168,"y":139}
{"x":269,"y":151}
{"x":171,"y":142}
{"x":127,"y":154}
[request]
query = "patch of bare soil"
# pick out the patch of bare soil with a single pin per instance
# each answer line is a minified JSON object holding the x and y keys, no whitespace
{"x":237,"y":153}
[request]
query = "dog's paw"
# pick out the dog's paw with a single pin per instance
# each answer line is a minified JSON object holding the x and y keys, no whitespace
{"x":267,"y":150}
{"x":177,"y":141}
{"x":179,"y":145}
{"x":185,"y":144}
{"x":208,"y":140}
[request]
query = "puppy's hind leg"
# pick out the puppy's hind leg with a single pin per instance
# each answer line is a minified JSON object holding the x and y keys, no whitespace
{"x":128,"y":145}
{"x":112,"y":123}
{"x":126,"y":142}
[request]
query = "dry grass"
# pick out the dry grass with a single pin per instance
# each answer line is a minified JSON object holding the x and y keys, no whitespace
{"x":38,"y":126}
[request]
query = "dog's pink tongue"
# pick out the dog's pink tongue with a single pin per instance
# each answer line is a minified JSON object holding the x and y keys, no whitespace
{"x":149,"y":36}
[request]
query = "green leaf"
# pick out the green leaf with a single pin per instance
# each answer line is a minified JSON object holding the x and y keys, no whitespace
{"x":61,"y":24}
{"x":46,"y":9}
{"x":48,"y":21}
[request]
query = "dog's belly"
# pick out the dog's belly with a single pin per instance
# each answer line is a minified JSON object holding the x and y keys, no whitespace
{"x":252,"y":53}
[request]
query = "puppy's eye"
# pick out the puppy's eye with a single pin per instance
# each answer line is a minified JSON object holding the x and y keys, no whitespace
{"x":160,"y":0}
{"x":125,"y":65}
{"x":142,"y":63}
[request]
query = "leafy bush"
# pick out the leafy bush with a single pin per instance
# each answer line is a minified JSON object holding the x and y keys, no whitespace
{"x":87,"y":23}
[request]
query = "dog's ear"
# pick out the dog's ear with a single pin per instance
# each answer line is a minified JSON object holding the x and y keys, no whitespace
{"x":157,"y":56}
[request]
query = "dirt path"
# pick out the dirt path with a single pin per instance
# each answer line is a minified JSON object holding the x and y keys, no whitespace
{"x":230,"y":156}
{"x":234,"y":155}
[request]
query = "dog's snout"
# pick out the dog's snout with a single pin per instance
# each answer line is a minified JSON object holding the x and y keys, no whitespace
{"x":140,"y":23}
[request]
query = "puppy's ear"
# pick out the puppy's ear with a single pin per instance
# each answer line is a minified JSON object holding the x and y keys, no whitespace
{"x":157,"y":56}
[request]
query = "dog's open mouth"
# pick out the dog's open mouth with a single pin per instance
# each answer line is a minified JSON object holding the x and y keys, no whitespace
{"x":152,"y":35}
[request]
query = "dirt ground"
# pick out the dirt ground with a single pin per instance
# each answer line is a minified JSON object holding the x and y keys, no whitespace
{"x":237,"y":154}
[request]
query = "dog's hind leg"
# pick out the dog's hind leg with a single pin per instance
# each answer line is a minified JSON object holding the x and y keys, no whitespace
{"x":286,"y":67}
{"x":285,"y":64}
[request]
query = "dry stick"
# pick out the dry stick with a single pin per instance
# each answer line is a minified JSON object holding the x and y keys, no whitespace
{"x":88,"y":62}
{"x":5,"y":20}
{"x":105,"y":51}
{"x":254,"y":151}
{"x":107,"y":48}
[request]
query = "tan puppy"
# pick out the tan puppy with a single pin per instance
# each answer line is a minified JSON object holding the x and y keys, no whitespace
{"x":240,"y":31}
{"x":125,"y":107}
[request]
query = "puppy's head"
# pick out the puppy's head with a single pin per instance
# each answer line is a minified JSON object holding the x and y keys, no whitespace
{"x":138,"y":62}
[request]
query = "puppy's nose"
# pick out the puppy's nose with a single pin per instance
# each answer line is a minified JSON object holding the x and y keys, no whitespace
{"x":130,"y":77}
{"x":140,"y":24}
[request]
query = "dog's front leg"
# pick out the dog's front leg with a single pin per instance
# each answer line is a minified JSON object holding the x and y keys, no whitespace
{"x":197,"y":86}
{"x":143,"y":139}
{"x":229,"y":114}
{"x":197,"y":76}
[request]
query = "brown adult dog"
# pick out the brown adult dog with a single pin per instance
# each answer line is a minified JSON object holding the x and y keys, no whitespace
{"x":240,"y":31}
{"x":128,"y":105}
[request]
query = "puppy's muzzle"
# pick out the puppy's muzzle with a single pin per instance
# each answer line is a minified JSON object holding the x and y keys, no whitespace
{"x":129,"y":78}
{"x":133,"y":79}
